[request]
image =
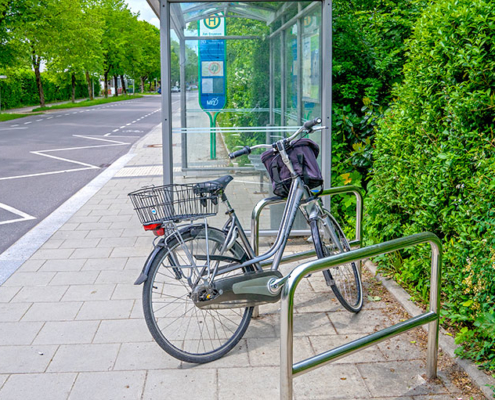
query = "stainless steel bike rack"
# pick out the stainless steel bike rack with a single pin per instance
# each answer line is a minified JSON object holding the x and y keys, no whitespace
{"x":288,"y":371}
{"x":255,"y":217}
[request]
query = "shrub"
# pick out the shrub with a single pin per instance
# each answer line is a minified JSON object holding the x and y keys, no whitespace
{"x":434,"y":166}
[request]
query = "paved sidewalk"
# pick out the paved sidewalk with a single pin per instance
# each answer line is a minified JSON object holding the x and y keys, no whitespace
{"x":72,"y":327}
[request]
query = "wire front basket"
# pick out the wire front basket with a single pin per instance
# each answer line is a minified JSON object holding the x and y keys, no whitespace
{"x":158,"y":204}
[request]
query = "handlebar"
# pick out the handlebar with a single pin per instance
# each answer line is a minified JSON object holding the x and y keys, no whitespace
{"x":241,"y":152}
{"x":308,"y":127}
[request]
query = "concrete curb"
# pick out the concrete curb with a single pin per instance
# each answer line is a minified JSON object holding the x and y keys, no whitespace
{"x":445,"y":341}
{"x":27,"y":245}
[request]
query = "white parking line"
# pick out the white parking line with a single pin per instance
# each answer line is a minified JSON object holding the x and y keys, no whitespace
{"x":23,"y":215}
{"x":27,"y":123}
{"x":39,"y":120}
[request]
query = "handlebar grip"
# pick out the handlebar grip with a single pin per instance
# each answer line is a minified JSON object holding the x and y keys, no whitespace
{"x":241,"y":152}
{"x":309,"y":124}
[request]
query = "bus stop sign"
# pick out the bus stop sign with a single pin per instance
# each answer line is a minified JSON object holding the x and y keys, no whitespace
{"x":212,"y":65}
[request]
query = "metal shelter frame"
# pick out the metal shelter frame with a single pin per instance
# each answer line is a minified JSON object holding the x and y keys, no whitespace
{"x":171,"y":16}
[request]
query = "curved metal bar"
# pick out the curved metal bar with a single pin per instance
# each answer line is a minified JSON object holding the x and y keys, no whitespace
{"x":358,"y":192}
{"x":290,"y":282}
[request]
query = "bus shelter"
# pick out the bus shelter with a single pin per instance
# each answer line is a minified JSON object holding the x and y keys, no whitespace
{"x":241,"y":73}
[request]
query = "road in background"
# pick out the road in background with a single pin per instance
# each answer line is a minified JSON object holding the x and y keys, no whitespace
{"x":45,"y":159}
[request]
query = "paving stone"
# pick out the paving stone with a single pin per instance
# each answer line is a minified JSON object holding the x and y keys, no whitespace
{"x":131,"y":251}
{"x":88,"y":292}
{"x":117,"y":242}
{"x":31,"y":266}
{"x":30,"y":279}
{"x":80,"y":243}
{"x":261,"y":383}
{"x":127,"y":291}
{"x":89,"y":226}
{"x":84,"y":357}
{"x":332,"y":381}
{"x":85,"y":219}
{"x":62,"y":265}
{"x":67,"y":332}
{"x":144,"y":356}
{"x":105,"y":264}
{"x":75,"y":278}
{"x":323,"y":302}
{"x":115,"y":218}
{"x":322,"y":344}
{"x":69,"y":227}
{"x":237,"y":357}
{"x":25,"y":359}
{"x":123,"y":331}
{"x":124,"y":276}
{"x":400,"y":348}
{"x":135,"y":264}
{"x":59,"y":311}
{"x":398,"y":378}
{"x":11,"y":312}
{"x":68,"y":234}
{"x":3,"y":378}
{"x":189,"y":384}
{"x":38,"y":386}
{"x":126,"y":385}
{"x":266,"y":352}
{"x":263,"y":327}
{"x":40,"y":293}
{"x":91,"y":253}
{"x":53,"y":244}
{"x":8,"y":293}
{"x":364,"y":322}
{"x":104,"y":233}
{"x":311,"y":324}
{"x":18,"y":333}
{"x":52,"y":254}
{"x":113,"y":309}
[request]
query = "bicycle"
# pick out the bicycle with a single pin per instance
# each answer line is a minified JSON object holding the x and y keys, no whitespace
{"x":202,"y":283}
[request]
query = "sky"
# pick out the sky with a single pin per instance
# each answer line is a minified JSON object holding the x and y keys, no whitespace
{"x":145,"y":11}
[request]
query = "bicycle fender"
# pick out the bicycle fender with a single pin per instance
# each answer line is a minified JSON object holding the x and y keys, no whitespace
{"x":147,"y":265}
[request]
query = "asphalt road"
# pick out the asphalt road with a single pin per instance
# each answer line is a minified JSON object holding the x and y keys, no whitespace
{"x":45,"y":159}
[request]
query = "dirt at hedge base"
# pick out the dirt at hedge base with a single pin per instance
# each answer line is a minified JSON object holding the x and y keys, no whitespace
{"x":446,"y":366}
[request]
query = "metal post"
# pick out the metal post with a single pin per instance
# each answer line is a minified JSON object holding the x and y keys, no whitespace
{"x":326,"y":94}
{"x":299,"y":69}
{"x":166,"y":94}
{"x":435,"y":280}
{"x":272,"y":83}
{"x":286,"y":343}
{"x":283,"y":80}
{"x":183,"y":120}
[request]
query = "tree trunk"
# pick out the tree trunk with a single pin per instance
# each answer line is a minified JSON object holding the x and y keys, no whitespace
{"x":142,"y":84}
{"x":124,"y":89}
{"x":106,"y":84}
{"x":90,"y":86}
{"x":73,"y":78}
{"x":36,"y":65}
{"x":116,"y":81}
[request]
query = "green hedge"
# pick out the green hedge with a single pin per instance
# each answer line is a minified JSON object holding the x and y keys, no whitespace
{"x":20,"y":89}
{"x":434,"y":167}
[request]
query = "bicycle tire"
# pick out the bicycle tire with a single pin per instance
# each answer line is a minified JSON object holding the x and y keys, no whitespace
{"x":229,"y":325}
{"x":345,"y":280}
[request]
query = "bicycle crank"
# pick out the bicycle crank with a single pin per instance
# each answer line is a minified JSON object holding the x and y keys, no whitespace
{"x":248,"y":290}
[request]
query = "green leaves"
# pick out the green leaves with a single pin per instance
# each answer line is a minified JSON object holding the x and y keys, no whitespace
{"x":434,"y":165}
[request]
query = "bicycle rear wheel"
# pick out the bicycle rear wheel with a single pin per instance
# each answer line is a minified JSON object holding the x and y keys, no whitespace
{"x":183,"y":330}
{"x":345,"y":280}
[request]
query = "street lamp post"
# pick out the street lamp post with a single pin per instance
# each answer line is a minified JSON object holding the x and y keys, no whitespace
{"x":1,"y":77}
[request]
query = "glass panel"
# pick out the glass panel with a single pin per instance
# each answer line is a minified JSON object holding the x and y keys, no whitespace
{"x":227,"y":92}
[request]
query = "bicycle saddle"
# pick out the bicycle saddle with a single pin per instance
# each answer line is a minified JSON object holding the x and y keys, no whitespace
{"x":214,"y":186}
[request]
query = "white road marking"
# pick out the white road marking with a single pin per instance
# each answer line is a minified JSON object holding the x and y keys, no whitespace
{"x":85,"y":165}
{"x":115,"y":130}
{"x":39,"y":120}
{"x":49,"y":117}
{"x":23,"y":215}
{"x":13,"y":126}
{"x":27,"y":123}
{"x":13,"y":129}
{"x":122,"y":127}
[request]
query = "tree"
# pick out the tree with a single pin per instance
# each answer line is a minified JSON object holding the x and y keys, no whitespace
{"x":77,"y":47}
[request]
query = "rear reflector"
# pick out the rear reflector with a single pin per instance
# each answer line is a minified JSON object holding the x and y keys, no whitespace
{"x":151,"y":227}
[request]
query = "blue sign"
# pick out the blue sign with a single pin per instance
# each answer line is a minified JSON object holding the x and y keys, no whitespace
{"x":212,"y":74}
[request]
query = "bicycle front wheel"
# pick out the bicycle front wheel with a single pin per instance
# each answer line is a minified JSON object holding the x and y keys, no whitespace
{"x":183,"y":330}
{"x":345,"y":280}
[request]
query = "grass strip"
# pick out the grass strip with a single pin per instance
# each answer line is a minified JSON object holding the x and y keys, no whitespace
{"x":88,"y":103}
{"x":9,"y":117}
